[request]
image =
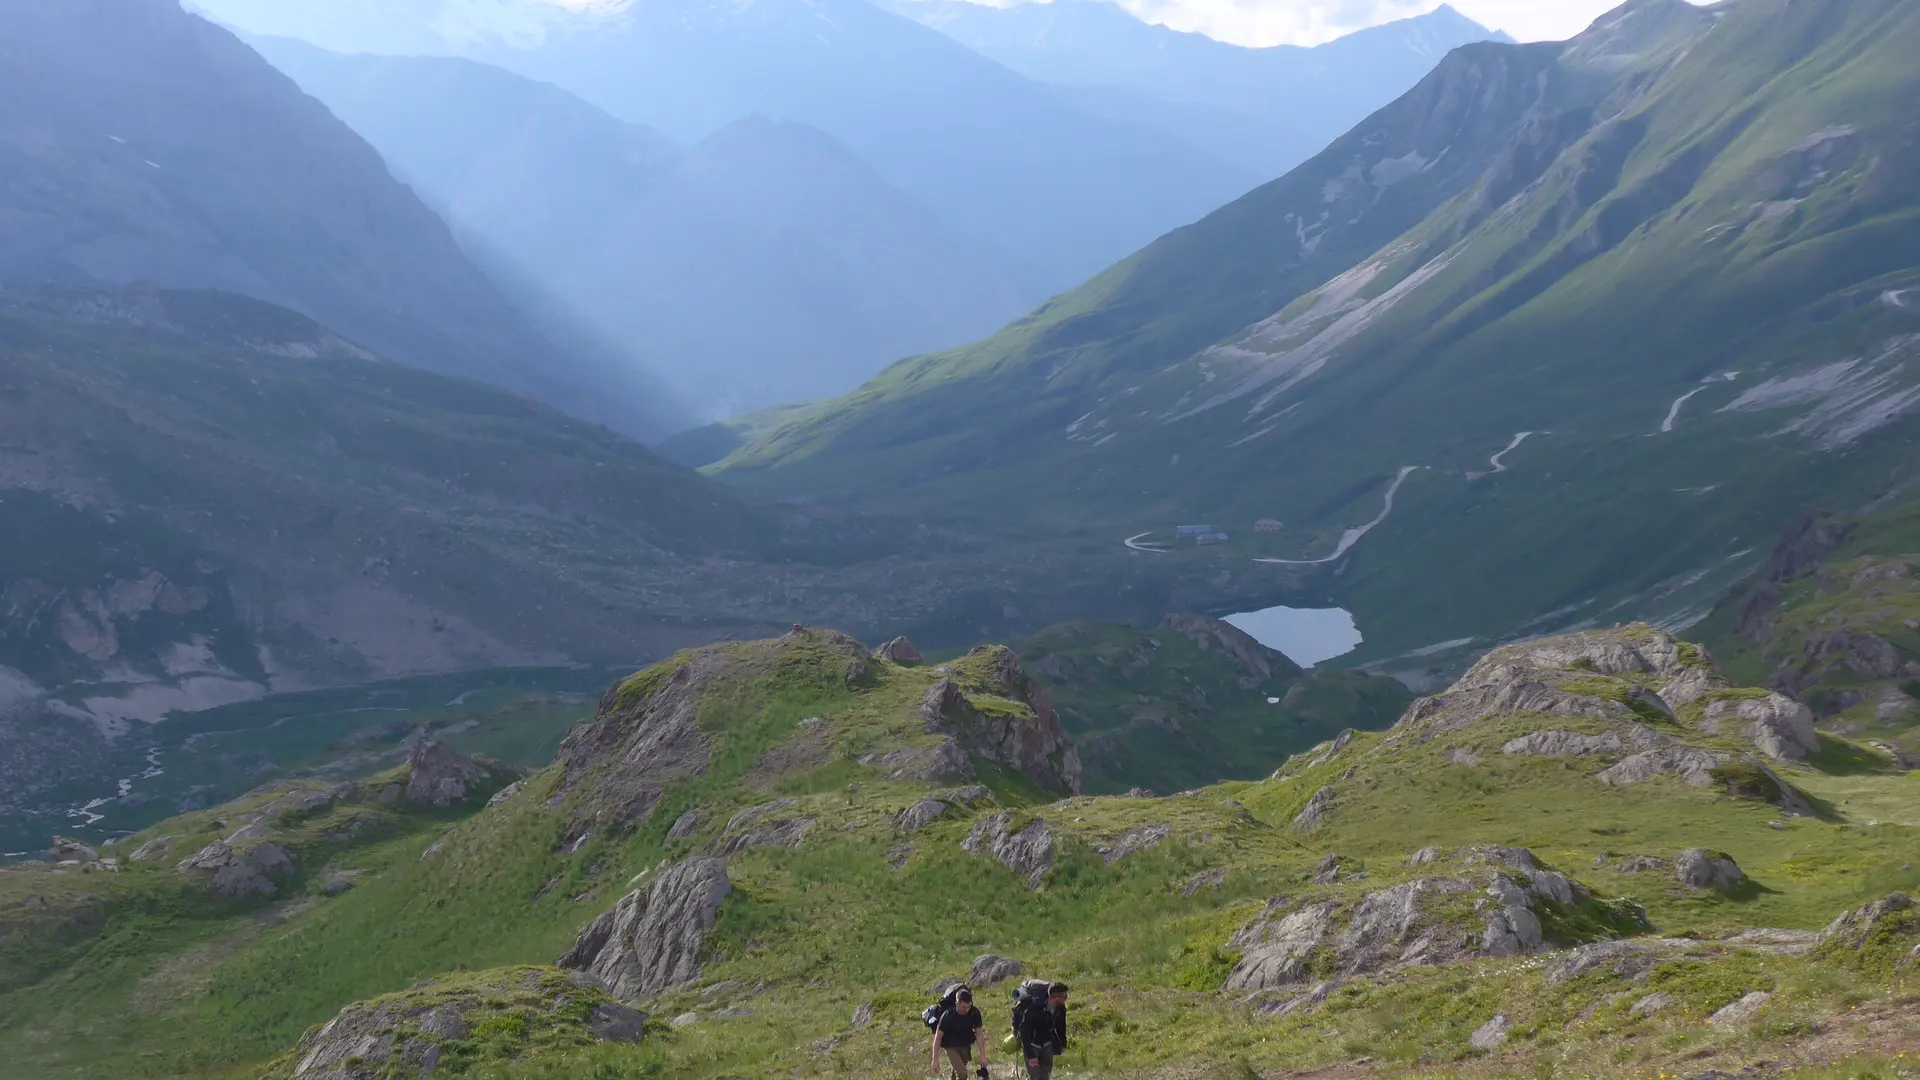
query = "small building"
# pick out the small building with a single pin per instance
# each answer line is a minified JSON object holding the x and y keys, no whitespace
{"x":1268,"y":525}
{"x":1185,"y":531}
{"x":1209,"y":538}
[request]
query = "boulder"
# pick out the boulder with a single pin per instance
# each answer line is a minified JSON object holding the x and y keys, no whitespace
{"x":506,"y":793}
{"x":613,"y":1022}
{"x":1889,"y":928}
{"x":1274,"y":948}
{"x":787,"y":833}
{"x":67,"y":849}
{"x":1652,"y":1003}
{"x":1642,"y":864}
{"x":1698,"y":868}
{"x":1692,"y":765}
{"x":920,"y":815}
{"x":989,"y":970}
{"x":1740,"y":1011}
{"x":1328,"y":871}
{"x":1205,"y":879}
{"x":899,"y":651}
{"x":1779,"y":726}
{"x":439,"y":776}
{"x":686,"y":824}
{"x":154,"y":850}
{"x":863,"y":1015}
{"x":652,"y":939}
{"x":1622,"y":959}
{"x":1690,"y":686}
{"x":1512,"y":929}
{"x":1128,"y":843}
{"x":1314,"y":814}
{"x":1491,"y":1035}
{"x":247,"y":870}
{"x":1028,"y":853}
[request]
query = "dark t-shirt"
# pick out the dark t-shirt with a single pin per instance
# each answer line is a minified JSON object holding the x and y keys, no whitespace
{"x":957,"y":1030}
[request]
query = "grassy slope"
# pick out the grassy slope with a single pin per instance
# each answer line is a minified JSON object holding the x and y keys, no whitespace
{"x":828,"y":926}
{"x":1150,"y":708}
{"x":1681,"y":233}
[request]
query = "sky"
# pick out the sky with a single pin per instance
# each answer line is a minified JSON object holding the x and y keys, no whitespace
{"x":1310,"y":22}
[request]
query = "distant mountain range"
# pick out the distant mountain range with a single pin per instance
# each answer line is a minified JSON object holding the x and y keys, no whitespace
{"x":1266,"y":110}
{"x":1630,"y":300}
{"x":141,"y":144}
{"x":763,"y":264}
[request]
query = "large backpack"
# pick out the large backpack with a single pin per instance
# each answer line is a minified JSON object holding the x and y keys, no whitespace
{"x":940,"y":1008}
{"x":1028,"y":997}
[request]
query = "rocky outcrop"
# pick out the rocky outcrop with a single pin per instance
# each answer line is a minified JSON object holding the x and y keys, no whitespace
{"x":899,"y":651}
{"x":1028,"y":740}
{"x":1258,"y":664}
{"x":1780,"y":727}
{"x":440,"y":776}
{"x":1628,"y":960}
{"x":1491,"y":1035}
{"x":932,"y":808}
{"x":1809,"y":542}
{"x":1130,"y":842}
{"x":1570,"y":744}
{"x":1698,"y":868}
{"x":1691,"y":764}
{"x":1740,"y":1011}
{"x":407,"y":1036}
{"x":763,"y":826}
{"x":65,"y":849}
{"x":1028,"y":852}
{"x":1883,"y":933}
{"x":941,"y":763}
{"x":246,"y":869}
{"x":652,"y":939}
{"x":646,"y":735}
{"x":1314,"y":814}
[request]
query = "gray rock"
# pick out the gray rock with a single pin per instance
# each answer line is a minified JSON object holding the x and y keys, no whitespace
{"x":1780,"y":727}
{"x":1690,"y":686}
{"x":1555,"y":886}
{"x":1693,"y":766}
{"x":506,"y":793}
{"x":67,"y":849}
{"x":1133,"y":841}
{"x":1302,"y":1001}
{"x":339,"y":884}
{"x":249,"y":870}
{"x":964,"y":796}
{"x":687,"y":824}
{"x":1570,"y":744}
{"x":1035,"y":746}
{"x":899,"y":856}
{"x":1328,"y":871}
{"x":1516,"y":858}
{"x":684,"y":1020}
{"x":1205,"y":879}
{"x":941,"y":763}
{"x":1275,"y":947}
{"x":1491,"y":1035}
{"x":753,"y":814}
{"x":1512,"y":928}
{"x":443,"y":1022}
{"x":899,"y":651}
{"x":1651,"y":1004}
{"x":1461,"y":755}
{"x":989,"y":970}
{"x":614,"y":1022}
{"x":1424,"y":856}
{"x":769,"y":834}
{"x":1314,"y":814}
{"x":652,"y":938}
{"x":1697,"y":868}
{"x":1741,"y":1011}
{"x":154,"y":850}
{"x":439,"y":776}
{"x":863,"y":1015}
{"x":1854,"y":929}
{"x":1642,"y":864}
{"x":1029,"y":852}
{"x":920,"y":815}
{"x":1624,"y":960}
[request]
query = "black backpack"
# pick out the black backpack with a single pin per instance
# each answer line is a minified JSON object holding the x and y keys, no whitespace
{"x":941,"y":1008}
{"x":1029,"y":998}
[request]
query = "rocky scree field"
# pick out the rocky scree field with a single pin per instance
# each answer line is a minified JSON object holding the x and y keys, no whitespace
{"x":1593,"y":855}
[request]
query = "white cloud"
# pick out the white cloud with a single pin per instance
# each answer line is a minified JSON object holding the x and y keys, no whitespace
{"x":1310,"y":22}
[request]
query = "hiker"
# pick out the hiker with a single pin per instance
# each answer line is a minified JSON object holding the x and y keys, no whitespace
{"x":957,"y":1032}
{"x":1041,"y":1024}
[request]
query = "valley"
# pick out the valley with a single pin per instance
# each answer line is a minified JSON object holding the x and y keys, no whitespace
{"x":603,"y":541}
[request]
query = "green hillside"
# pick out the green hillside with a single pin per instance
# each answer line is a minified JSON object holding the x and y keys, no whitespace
{"x":1193,"y":701}
{"x":1632,"y":301}
{"x":1590,"y":856}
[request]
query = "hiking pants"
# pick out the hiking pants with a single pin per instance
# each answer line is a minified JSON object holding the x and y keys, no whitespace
{"x":1045,"y":1070}
{"x":959,"y":1057}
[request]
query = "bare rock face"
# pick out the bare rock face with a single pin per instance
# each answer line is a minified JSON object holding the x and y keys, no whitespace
{"x":1698,"y":868}
{"x":1779,"y":726}
{"x":1132,"y":841}
{"x":1692,"y":765}
{"x":1036,"y":747}
{"x":1319,"y":805}
{"x":67,"y":849}
{"x":440,"y":776}
{"x":1491,"y":1035}
{"x":1894,"y":920}
{"x":249,"y":869}
{"x":153,"y":850}
{"x":1741,"y":1011}
{"x":1569,"y":744}
{"x":944,"y":762}
{"x":899,"y":651}
{"x":406,"y":1036}
{"x":1259,"y":664}
{"x":989,"y":970}
{"x":652,"y":938}
{"x":1029,"y":852}
{"x":1622,"y":959}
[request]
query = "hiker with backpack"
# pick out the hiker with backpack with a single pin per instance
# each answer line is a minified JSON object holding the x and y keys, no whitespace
{"x":1040,"y":1025}
{"x":958,"y":1029}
